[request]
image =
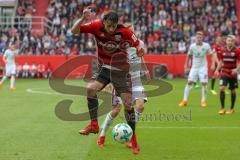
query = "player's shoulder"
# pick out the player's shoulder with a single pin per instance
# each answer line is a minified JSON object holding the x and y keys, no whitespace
{"x":7,"y":51}
{"x":237,"y":50}
{"x":205,"y":44}
{"x":124,"y":28}
{"x":192,"y":45}
{"x":223,"y":49}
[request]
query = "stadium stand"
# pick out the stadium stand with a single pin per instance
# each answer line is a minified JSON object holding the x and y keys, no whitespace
{"x":167,"y":27}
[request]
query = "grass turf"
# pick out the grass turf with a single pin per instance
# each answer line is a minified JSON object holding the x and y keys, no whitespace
{"x":31,"y":131}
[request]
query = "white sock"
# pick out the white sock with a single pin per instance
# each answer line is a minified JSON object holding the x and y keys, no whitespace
{"x":106,"y":124}
{"x":137,"y":115}
{"x":12,"y":81}
{"x":204,"y":93}
{"x":3,"y":79}
{"x":186,"y":92}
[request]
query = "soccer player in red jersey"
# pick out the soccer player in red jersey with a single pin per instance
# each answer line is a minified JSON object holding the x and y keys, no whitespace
{"x":217,"y":50}
{"x":113,"y":39}
{"x":229,"y":66}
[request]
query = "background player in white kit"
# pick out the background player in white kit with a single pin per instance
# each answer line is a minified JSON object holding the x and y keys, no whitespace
{"x":10,"y":65}
{"x":197,"y":55}
{"x":138,"y":96}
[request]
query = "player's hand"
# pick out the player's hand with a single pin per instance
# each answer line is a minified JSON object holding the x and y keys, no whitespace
{"x":213,"y":67}
{"x":216,"y":73}
{"x":147,"y":74}
{"x":87,"y":12}
{"x":140,"y":51}
{"x":186,"y":69}
{"x":234,"y":71}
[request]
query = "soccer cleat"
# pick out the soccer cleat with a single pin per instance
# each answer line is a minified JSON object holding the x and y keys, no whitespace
{"x":91,"y":128}
{"x":182,"y":103}
{"x":13,"y":88}
{"x":221,"y":112}
{"x":231,"y":111}
{"x":101,"y":141}
{"x":213,"y":92}
{"x":135,"y":147}
{"x":204,"y":104}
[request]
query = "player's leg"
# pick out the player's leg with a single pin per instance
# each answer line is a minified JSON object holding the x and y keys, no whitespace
{"x":4,"y":78}
{"x":233,"y":85}
{"x":213,"y":80}
{"x":138,"y":112}
{"x":7,"y":74}
{"x":92,"y":99}
{"x":203,"y":77}
{"x":223,"y":83}
{"x":192,"y":77}
{"x":204,"y":95}
{"x":12,"y":80}
{"x":131,"y":119}
{"x":107,"y":122}
{"x":98,"y":83}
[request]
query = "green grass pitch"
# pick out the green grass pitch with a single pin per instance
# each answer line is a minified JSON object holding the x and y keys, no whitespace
{"x":29,"y":129}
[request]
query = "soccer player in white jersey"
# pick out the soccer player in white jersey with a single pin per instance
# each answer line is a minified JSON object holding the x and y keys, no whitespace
{"x":197,"y":59}
{"x":10,"y":66}
{"x":138,"y":98}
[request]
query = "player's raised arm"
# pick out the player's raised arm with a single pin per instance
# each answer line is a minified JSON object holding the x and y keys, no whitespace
{"x":76,"y":27}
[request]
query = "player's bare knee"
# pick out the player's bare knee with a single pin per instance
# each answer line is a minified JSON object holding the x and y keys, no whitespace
{"x":91,"y":90}
{"x":115,"y":112}
{"x":233,"y":91}
{"x":189,"y":83}
{"x":222,"y":89}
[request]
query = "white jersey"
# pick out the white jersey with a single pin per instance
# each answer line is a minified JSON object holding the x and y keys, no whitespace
{"x":10,"y":57}
{"x":199,"y":54}
{"x":135,"y":67}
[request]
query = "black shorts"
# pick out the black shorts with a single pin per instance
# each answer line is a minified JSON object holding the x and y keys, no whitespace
{"x":121,"y":80}
{"x":232,"y":82}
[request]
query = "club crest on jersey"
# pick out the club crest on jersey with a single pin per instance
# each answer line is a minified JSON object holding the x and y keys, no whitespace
{"x":232,"y":53}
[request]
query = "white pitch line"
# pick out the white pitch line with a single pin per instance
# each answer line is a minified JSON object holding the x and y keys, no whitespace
{"x":36,"y":91}
{"x":190,"y":127}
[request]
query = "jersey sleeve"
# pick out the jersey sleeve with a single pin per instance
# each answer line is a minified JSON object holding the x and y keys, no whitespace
{"x":90,"y":27}
{"x":130,"y":36}
{"x":220,"y":57}
{"x":5,"y":54}
{"x":238,"y":55}
{"x":214,"y":48}
{"x":190,"y":51}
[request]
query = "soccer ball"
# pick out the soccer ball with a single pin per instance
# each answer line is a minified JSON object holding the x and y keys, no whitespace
{"x":122,"y":133}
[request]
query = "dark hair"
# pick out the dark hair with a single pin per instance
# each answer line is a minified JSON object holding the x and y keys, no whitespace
{"x":112,"y":16}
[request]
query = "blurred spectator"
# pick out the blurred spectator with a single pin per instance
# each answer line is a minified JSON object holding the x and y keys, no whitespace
{"x":166,"y":26}
{"x":25,"y":72}
{"x":19,"y":70}
{"x":33,"y":70}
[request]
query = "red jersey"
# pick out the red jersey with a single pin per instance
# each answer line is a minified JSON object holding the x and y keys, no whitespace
{"x":230,"y":59}
{"x":217,"y":49}
{"x":111,"y":47}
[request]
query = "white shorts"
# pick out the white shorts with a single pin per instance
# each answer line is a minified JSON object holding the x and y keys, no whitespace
{"x":137,"y":93}
{"x":198,"y":73}
{"x":10,"y":69}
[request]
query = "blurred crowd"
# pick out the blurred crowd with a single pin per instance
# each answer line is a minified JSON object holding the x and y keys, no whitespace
{"x":166,"y":26}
